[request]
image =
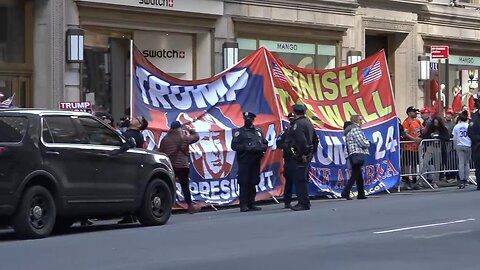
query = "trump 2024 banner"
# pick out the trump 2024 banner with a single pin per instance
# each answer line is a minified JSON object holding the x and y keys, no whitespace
{"x":332,"y":97}
{"x":267,"y":86}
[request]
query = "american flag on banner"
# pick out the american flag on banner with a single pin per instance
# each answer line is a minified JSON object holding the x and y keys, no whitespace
{"x":278,"y":73}
{"x":372,"y":73}
{"x":7,"y":103}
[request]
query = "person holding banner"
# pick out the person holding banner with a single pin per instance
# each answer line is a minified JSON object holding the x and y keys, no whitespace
{"x":304,"y":144}
{"x":474,"y":134}
{"x":357,"y":154}
{"x":284,"y":143}
{"x":250,"y":145}
{"x":176,"y":146}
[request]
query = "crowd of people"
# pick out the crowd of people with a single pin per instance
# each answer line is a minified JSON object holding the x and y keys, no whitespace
{"x":447,"y":140}
{"x":299,"y":143}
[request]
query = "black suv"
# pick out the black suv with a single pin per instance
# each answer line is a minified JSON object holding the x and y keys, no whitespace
{"x":57,"y":167}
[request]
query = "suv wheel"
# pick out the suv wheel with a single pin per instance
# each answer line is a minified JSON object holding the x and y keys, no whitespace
{"x":35,"y":216}
{"x":157,"y":204}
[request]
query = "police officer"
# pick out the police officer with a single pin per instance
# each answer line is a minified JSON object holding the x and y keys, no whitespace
{"x":304,"y":144}
{"x":474,"y":134}
{"x":283,"y":143}
{"x":250,"y":145}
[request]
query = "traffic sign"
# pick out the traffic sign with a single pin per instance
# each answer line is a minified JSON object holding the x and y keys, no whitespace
{"x":439,"y":52}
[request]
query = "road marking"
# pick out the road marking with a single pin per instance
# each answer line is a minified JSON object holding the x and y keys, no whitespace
{"x":439,"y":235}
{"x":425,"y":226}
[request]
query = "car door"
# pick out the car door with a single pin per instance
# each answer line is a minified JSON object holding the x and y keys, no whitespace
{"x":14,"y":152}
{"x":65,"y":156}
{"x":116,"y":172}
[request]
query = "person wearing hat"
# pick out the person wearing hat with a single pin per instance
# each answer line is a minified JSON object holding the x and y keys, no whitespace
{"x":176,"y":146}
{"x":304,"y":144}
{"x":250,"y":146}
{"x":413,"y":128}
{"x":426,"y":115}
{"x":284,"y":143}
{"x":450,"y":120}
{"x":474,"y":134}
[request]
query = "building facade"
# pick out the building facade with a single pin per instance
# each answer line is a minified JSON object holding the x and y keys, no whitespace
{"x":185,"y":38}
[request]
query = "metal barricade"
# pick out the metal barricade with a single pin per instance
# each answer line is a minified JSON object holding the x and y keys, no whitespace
{"x":429,"y":160}
{"x":410,"y":163}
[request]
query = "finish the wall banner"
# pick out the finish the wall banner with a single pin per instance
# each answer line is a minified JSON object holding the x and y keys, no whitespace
{"x":331,"y":97}
{"x":267,"y":86}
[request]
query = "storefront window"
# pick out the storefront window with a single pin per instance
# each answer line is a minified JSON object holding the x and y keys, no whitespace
{"x":246,"y":47}
{"x":462,"y":81}
{"x":304,"y":55}
{"x":326,"y":56}
{"x":106,"y":73}
{"x":12,"y":32}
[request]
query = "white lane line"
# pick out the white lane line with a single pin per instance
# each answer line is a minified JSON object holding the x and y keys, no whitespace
{"x":425,"y":226}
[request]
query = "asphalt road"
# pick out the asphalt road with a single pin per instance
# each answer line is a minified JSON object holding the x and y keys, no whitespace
{"x":421,"y":230}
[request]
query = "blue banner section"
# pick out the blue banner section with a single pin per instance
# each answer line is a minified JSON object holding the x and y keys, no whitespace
{"x":330,"y":169}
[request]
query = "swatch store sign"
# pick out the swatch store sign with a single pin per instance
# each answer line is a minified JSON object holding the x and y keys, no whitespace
{"x":164,"y":53}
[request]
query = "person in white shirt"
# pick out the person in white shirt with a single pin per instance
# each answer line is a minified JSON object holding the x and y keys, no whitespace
{"x":463,"y":146}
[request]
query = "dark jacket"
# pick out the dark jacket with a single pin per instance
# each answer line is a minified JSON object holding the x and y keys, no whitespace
{"x":249,"y":142}
{"x":434,"y":132}
{"x":136,"y":135}
{"x":283,"y":142}
{"x":303,"y":138}
{"x":474,"y":134}
{"x":176,"y":146}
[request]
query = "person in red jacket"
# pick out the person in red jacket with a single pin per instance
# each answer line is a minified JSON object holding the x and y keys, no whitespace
{"x":176,"y":146}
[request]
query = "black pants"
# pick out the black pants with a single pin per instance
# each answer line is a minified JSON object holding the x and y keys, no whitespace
{"x":476,"y":161}
{"x":300,"y":178}
{"x":357,"y":177}
{"x":248,"y":178}
{"x":183,"y":177}
{"x":288,"y":172}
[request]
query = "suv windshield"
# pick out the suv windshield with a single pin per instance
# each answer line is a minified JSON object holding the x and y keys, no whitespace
{"x":13,"y":128}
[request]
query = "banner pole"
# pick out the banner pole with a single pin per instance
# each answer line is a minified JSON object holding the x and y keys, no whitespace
{"x":131,"y":78}
{"x":275,"y":199}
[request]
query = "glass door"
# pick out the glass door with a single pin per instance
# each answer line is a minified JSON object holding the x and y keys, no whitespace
{"x":18,"y":87}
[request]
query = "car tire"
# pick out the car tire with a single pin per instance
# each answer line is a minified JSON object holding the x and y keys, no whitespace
{"x":157,"y":204}
{"x":62,"y":224}
{"x":36,"y":213}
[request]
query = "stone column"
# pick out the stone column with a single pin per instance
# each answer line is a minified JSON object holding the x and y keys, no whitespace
{"x":224,"y":32}
{"x":54,"y":81}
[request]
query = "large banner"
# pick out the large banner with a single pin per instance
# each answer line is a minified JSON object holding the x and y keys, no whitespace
{"x":332,"y":97}
{"x":267,"y":86}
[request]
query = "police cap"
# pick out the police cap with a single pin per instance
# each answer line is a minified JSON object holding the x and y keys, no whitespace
{"x":299,"y":108}
{"x":249,"y":115}
{"x":291,"y":115}
{"x":175,"y":125}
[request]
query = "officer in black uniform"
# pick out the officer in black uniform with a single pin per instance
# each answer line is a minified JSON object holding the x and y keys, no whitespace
{"x":250,"y":145}
{"x":304,"y":144}
{"x":474,"y":134}
{"x":288,"y":166}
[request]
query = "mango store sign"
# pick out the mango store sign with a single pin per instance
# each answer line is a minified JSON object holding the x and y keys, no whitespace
{"x":81,"y":106}
{"x":213,"y":7}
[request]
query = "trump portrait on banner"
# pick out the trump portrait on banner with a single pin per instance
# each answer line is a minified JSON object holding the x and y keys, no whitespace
{"x":212,"y":156}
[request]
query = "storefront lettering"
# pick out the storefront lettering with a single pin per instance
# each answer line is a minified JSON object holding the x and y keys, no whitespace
{"x":287,"y":46}
{"x":467,"y":60}
{"x":161,"y":3}
{"x":164,"y":53}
